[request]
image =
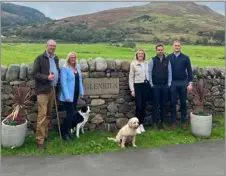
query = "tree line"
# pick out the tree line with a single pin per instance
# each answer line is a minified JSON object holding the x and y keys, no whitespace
{"x":82,"y":34}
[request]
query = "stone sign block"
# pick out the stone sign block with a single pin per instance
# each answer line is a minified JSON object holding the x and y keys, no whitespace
{"x":101,"y":86}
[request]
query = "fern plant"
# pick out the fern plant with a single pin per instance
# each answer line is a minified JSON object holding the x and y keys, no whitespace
{"x":19,"y":96}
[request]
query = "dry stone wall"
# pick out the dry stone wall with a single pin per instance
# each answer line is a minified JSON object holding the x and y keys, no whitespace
{"x":108,"y":112}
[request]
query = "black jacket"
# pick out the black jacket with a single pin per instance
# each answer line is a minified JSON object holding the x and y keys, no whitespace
{"x":160,"y":70}
{"x":41,"y":72}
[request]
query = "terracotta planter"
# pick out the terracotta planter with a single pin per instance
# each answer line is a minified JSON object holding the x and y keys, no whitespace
{"x":201,"y":126}
{"x":13,"y":136}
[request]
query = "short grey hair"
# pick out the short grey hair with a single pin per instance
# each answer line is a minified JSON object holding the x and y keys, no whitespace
{"x":51,"y":40}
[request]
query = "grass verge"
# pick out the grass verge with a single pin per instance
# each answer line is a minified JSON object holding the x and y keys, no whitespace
{"x":96,"y":142}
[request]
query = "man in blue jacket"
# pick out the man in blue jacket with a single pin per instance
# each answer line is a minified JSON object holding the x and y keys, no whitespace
{"x":181,"y":82}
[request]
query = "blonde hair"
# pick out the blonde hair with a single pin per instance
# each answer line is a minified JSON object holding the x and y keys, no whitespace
{"x":138,"y":52}
{"x":67,"y":62}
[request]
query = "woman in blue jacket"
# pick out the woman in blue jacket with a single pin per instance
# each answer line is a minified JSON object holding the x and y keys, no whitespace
{"x":71,"y":89}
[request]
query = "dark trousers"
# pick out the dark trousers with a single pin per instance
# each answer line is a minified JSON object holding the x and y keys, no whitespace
{"x":140,"y":100}
{"x":160,"y":95}
{"x":182,"y":92}
{"x":70,"y":107}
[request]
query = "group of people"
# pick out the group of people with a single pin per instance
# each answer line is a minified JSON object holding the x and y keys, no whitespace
{"x":167,"y":77}
{"x":163,"y":73}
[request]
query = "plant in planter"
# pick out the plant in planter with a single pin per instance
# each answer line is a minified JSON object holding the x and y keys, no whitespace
{"x":14,"y":126}
{"x":201,"y":121}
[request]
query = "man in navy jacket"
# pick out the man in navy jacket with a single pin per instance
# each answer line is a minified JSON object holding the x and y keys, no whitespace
{"x":181,"y":82}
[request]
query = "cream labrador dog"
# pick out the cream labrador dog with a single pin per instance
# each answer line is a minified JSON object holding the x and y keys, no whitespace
{"x":127,"y":134}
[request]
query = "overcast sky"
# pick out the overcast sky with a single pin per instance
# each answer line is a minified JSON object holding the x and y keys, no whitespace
{"x":58,"y":10}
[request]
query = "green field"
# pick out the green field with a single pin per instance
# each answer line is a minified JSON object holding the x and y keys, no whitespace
{"x":13,"y":53}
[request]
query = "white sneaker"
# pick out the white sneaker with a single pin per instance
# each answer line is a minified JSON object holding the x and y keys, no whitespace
{"x":138,"y":130}
{"x":142,"y":128}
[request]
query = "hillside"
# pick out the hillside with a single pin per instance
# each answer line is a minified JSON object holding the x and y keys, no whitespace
{"x":157,"y":21}
{"x":16,"y":15}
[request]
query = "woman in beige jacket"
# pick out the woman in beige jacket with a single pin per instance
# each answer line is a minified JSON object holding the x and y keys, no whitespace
{"x":139,"y":84}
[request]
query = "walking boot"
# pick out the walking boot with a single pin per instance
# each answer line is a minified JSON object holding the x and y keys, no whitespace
{"x":66,"y":137}
{"x":184,"y":126}
{"x":174,"y":126}
{"x":164,"y":126}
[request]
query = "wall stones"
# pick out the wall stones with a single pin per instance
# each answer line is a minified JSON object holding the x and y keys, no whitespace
{"x":131,"y":114}
{"x":91,"y":126}
{"x":108,"y":96}
{"x":119,"y":115}
{"x":81,"y":102}
{"x":3,"y":72}
{"x":23,"y":71}
{"x":31,"y":84}
{"x":108,"y":75}
{"x":114,"y":74}
{"x":118,"y":64}
{"x":92,"y":65}
{"x":120,"y":101}
{"x":101,"y":64}
{"x":97,"y":102}
{"x":110,"y":120}
{"x":32,"y":117}
{"x":97,"y":119}
{"x":97,"y":74}
{"x":95,"y":109}
{"x":124,"y":108}
{"x":13,"y":72}
{"x":111,"y":65}
{"x":84,"y":65}
{"x":112,"y":107}
{"x":110,"y":127}
{"x":108,"y":112}
{"x":120,"y":122}
{"x":219,"y":102}
{"x":30,"y":70}
{"x":16,"y":83}
{"x":125,"y":65}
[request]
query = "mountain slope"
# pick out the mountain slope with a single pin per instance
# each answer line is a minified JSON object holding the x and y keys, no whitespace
{"x":159,"y":10}
{"x":16,"y":15}
{"x":157,"y":21}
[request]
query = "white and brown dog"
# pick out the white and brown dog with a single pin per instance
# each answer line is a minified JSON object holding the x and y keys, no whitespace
{"x":80,"y":119}
{"x":127,"y":134}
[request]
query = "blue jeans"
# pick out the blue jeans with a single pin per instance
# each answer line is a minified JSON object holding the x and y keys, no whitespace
{"x":160,"y":95}
{"x":180,"y":90}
